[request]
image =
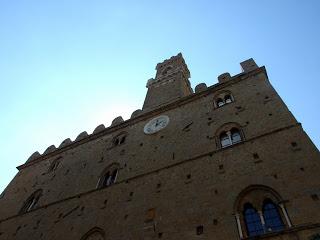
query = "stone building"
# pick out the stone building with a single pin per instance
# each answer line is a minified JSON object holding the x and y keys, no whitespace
{"x":228,"y":161}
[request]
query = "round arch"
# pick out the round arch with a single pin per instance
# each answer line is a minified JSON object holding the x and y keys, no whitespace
{"x":95,"y":233}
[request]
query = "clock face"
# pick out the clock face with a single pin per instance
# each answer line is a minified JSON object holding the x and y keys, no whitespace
{"x":156,"y":124}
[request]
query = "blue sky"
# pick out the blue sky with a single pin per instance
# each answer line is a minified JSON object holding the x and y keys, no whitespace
{"x":69,"y":65}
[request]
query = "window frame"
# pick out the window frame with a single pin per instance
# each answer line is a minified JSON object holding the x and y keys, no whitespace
{"x":31,"y":202}
{"x":108,"y":176}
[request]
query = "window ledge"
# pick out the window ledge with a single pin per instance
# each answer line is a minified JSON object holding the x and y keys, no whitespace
{"x":285,"y":231}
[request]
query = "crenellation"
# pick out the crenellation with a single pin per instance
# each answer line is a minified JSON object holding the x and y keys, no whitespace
{"x":65,"y":142}
{"x":99,"y":128}
{"x":50,"y":149}
{"x":248,"y":65}
{"x":34,"y":156}
{"x":224,"y":77}
{"x":136,"y":113}
{"x":117,"y":121}
{"x":201,"y":87}
{"x":81,"y":136}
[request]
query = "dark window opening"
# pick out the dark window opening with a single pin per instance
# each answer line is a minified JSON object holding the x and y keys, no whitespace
{"x":220,"y":102}
{"x":294,"y":144}
{"x":230,"y":137}
{"x":252,"y":221}
{"x":235,"y":135}
{"x":227,"y":99}
{"x":108,"y":178}
{"x":119,"y":140}
{"x":272,"y":217}
{"x":225,"y":140}
{"x":199,"y":230}
{"x":31,"y":202}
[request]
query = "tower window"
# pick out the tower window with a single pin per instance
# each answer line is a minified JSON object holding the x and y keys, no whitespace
{"x":119,"y":139}
{"x":223,"y":99}
{"x":261,"y":210}
{"x":31,"y":202}
{"x":220,"y":102}
{"x":252,"y":220}
{"x":225,"y":140}
{"x":235,"y":136}
{"x":272,"y":218}
{"x":108,"y":177}
{"x":227,"y":99}
{"x":230,"y":137}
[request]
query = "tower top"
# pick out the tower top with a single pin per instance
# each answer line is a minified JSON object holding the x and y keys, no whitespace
{"x":170,"y":83}
{"x":168,"y":68}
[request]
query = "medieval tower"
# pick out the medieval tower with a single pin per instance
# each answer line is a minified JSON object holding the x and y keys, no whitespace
{"x":227,"y":161}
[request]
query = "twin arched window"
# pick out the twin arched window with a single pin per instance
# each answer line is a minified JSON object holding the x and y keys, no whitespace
{"x":31,"y":202}
{"x":222,"y":99}
{"x":108,"y":176}
{"x":119,"y":139}
{"x":267,"y":220}
{"x":260,"y":210}
{"x":230,"y":137}
{"x":54,"y":164}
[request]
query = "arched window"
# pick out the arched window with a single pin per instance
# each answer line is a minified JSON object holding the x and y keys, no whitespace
{"x":252,"y":220}
{"x":272,"y":217}
{"x":54,"y":165}
{"x":230,"y":137}
{"x":225,"y":139}
{"x":228,"y":99}
{"x":31,"y":202}
{"x":119,"y":139}
{"x":259,"y":210}
{"x":94,"y":234}
{"x":235,"y":135}
{"x":220,"y":102}
{"x":108,"y":176}
{"x":223,"y":99}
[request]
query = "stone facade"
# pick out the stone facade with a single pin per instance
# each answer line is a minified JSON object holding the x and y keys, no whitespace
{"x":186,"y":181}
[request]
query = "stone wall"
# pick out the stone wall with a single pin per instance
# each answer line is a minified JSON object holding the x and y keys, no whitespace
{"x":177,"y":181}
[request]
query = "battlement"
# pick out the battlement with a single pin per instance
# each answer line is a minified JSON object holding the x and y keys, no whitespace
{"x":175,"y":61}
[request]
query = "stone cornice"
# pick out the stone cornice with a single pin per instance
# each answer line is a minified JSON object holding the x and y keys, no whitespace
{"x":144,"y":116}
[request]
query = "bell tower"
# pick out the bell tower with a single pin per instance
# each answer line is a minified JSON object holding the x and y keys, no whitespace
{"x":170,"y":84}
